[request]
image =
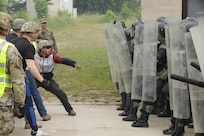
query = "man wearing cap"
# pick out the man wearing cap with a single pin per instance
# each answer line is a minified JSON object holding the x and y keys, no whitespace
{"x":17,"y":24}
{"x":47,"y":34}
{"x":47,"y":61}
{"x":24,"y":45}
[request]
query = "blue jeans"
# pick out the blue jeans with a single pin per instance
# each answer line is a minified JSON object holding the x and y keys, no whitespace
{"x":29,"y":110}
{"x":35,"y":94}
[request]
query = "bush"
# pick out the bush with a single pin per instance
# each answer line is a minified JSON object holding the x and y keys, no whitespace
{"x":125,"y":12}
{"x":109,"y":16}
{"x":21,"y":14}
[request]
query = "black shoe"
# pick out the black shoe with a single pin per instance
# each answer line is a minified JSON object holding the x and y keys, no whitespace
{"x":120,"y":108}
{"x":199,"y":134}
{"x":140,"y":123}
{"x":130,"y":118}
{"x":124,"y":114}
{"x":178,"y":132}
{"x":169,"y":130}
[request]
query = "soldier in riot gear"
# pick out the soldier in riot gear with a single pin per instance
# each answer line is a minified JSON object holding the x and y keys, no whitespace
{"x":162,"y":106}
{"x":137,"y":32}
{"x":130,"y":45}
{"x":161,"y":78}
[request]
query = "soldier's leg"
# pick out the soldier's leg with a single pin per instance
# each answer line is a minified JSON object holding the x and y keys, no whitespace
{"x":133,"y":111}
{"x":6,"y":120}
{"x":127,"y":106}
{"x":179,"y":127}
{"x":142,"y":121}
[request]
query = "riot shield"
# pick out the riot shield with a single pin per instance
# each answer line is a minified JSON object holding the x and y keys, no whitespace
{"x":196,"y":93}
{"x":149,"y":61}
{"x":180,"y":94}
{"x":198,"y":40}
{"x":113,"y":65}
{"x":137,"y":75}
{"x":123,"y":54}
{"x":168,"y":52}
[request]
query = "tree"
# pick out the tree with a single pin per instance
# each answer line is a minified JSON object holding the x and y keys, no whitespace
{"x":3,"y":5}
{"x":41,"y":7}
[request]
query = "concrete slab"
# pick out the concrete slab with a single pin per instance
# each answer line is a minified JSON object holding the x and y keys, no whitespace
{"x":93,"y":120}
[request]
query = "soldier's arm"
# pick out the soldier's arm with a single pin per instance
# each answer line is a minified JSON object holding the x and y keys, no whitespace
{"x":15,"y":68}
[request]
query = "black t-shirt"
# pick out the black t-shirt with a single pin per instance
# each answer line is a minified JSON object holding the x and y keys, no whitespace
{"x":25,"y":48}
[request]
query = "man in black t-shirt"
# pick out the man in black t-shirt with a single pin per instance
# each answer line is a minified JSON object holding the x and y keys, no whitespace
{"x":24,"y":45}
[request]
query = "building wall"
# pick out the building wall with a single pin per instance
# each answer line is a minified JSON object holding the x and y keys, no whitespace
{"x":152,"y":9}
{"x":58,"y":5}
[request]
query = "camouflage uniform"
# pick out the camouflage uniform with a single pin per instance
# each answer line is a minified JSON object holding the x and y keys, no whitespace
{"x":17,"y":93}
{"x":47,"y":34}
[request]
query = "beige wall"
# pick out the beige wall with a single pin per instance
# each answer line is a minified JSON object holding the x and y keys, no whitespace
{"x":152,"y":9}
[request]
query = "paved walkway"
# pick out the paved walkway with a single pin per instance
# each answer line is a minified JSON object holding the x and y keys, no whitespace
{"x":93,"y":120}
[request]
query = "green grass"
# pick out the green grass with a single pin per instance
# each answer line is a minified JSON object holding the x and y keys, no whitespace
{"x":83,"y":41}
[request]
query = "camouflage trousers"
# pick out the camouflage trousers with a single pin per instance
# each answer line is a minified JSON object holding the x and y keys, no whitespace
{"x":6,"y":121}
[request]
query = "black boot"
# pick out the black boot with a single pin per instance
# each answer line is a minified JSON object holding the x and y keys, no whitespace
{"x":179,"y":128}
{"x":123,"y":99}
{"x":142,"y":121}
{"x":133,"y":111}
{"x":163,"y":105}
{"x":171,"y":128}
{"x":199,"y":134}
{"x":126,"y":112}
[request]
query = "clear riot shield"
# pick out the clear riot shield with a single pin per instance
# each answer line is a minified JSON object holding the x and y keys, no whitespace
{"x":198,"y":40}
{"x":149,"y":61}
{"x":168,"y":52}
{"x":123,"y":54}
{"x":137,"y":75}
{"x":112,"y":58}
{"x":180,"y":93}
{"x":196,"y":93}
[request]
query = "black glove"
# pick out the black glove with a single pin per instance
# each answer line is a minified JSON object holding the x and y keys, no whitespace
{"x":46,"y":82}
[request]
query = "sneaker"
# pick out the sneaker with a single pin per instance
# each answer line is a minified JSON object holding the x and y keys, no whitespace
{"x":41,"y":133}
{"x":27,"y":126}
{"x":38,"y":133}
{"x":72,"y":113}
{"x":46,"y":117}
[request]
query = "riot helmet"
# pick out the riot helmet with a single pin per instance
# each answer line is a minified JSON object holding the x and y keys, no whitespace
{"x":5,"y":21}
{"x":30,"y":27}
{"x":161,"y":29}
{"x":161,"y":19}
{"x":18,"y":23}
{"x":127,"y":32}
{"x":136,"y":23}
{"x":189,"y":25}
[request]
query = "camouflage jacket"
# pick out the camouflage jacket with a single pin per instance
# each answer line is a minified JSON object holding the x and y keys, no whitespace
{"x":47,"y":34}
{"x":162,"y":72}
{"x":15,"y":69}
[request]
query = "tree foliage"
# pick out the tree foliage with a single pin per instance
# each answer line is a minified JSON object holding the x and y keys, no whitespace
{"x":15,"y":6}
{"x":41,"y":7}
{"x":3,"y":5}
{"x":101,"y":6}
